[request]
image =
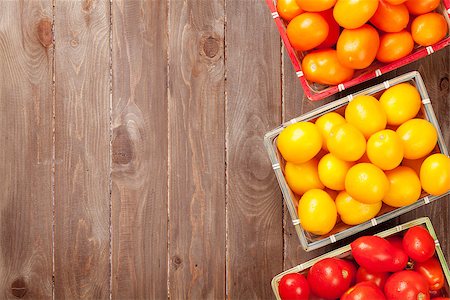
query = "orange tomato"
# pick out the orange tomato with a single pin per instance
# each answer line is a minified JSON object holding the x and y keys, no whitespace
{"x":435,"y":174}
{"x":394,"y":46}
{"x":288,"y":9}
{"x":316,"y":5}
{"x":385,"y":149}
{"x":419,"y":138}
{"x":322,"y":66}
{"x":352,"y":14}
{"x":346,"y":142}
{"x":307,"y":31}
{"x":429,"y":29}
{"x":366,"y":113}
{"x":333,"y":32}
{"x":357,"y":48}
{"x":395,"y":2}
{"x":366,"y":183}
{"x":420,"y":7}
{"x":390,"y":18}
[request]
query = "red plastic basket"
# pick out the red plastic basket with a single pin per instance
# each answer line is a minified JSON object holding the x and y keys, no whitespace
{"x":375,"y":70}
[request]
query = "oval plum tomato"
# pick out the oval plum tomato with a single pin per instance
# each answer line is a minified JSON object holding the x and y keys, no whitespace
{"x":353,"y":212}
{"x":303,"y":177}
{"x":322,"y":66}
{"x":326,"y":122}
{"x":357,"y":48}
{"x":419,"y":138}
{"x":406,"y":285}
{"x":332,"y":171}
{"x":378,"y":255}
{"x":346,"y":142}
{"x":317,"y":212}
{"x":401,"y":102}
{"x":364,"y":290}
{"x":352,"y":14}
{"x":328,"y":279}
{"x":378,"y":278}
{"x":432,"y":271}
{"x":350,"y":268}
{"x":293,"y":287}
{"x":307,"y":31}
{"x":394,"y":46}
{"x":288,"y":9}
{"x":429,"y":29}
{"x":420,"y":7}
{"x":418,"y":244}
{"x":395,"y":2}
{"x":435,"y":174}
{"x":385,"y":149}
{"x":405,"y":188}
{"x":316,"y":5}
{"x":390,"y":18}
{"x":366,"y":183}
{"x":333,"y":32}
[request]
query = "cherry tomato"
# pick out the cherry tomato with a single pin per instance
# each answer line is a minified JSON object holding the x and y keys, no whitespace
{"x":288,"y":9}
{"x":364,"y":290}
{"x":406,"y":285}
{"x":390,"y":18}
{"x":357,"y":48}
{"x":429,"y":29}
{"x":307,"y":31}
{"x":322,"y":66}
{"x":352,"y":14}
{"x":328,"y":279}
{"x":394,"y":46}
{"x":432,"y":271}
{"x":333,"y":32}
{"x":418,"y":244}
{"x":420,"y":7}
{"x":379,"y":279}
{"x":316,"y":5}
{"x":293,"y":286}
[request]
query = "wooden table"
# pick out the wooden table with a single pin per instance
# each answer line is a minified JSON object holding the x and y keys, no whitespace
{"x":131,"y":159}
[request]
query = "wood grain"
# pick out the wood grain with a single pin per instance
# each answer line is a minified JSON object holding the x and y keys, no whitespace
{"x":139,"y":150}
{"x":82,"y":149}
{"x":26,"y":58}
{"x":254,"y":203}
{"x":196,"y":150}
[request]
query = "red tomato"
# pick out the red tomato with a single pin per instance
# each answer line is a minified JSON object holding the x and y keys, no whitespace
{"x":328,"y":279}
{"x":420,"y":7}
{"x":406,"y":285}
{"x":307,"y":31}
{"x":364,"y":291}
{"x":390,"y":18}
{"x":322,"y":66}
{"x":293,"y":286}
{"x":432,"y":271}
{"x":350,"y":268}
{"x":378,"y":255}
{"x":418,"y":244}
{"x":377,"y":278}
{"x":288,"y":9}
{"x":333,"y":32}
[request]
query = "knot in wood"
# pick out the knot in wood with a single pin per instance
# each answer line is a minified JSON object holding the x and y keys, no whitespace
{"x":122,"y":148}
{"x":19,"y":288}
{"x":176,"y":261}
{"x":210,"y":46}
{"x":44,"y":31}
{"x":443,"y":84}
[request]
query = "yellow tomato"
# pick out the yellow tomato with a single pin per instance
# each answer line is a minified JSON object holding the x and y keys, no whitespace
{"x":419,"y":138}
{"x":317,"y":212}
{"x":405,"y":188}
{"x":332,"y":171}
{"x":346,"y":142}
{"x":326,"y":122}
{"x":401,"y":102}
{"x":303,"y":177}
{"x":366,"y":183}
{"x":385,"y":149}
{"x":299,"y":142}
{"x":435,"y":174}
{"x":352,"y":14}
{"x":366,"y":114}
{"x":353,"y":212}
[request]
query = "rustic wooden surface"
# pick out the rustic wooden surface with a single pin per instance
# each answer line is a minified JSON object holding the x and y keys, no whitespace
{"x":131,"y":157}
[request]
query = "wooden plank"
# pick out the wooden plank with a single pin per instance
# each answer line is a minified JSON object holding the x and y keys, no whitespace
{"x":82,"y":147}
{"x":196,"y":150}
{"x":26,"y":59}
{"x":254,"y":202}
{"x":139,"y":150}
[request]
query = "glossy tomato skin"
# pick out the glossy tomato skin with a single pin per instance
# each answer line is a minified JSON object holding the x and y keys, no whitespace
{"x":390,"y":18}
{"x":418,"y":244}
{"x":307,"y":31}
{"x":352,"y":14}
{"x":364,"y":290}
{"x":406,"y":285}
{"x":333,"y":32}
{"x":288,"y":9}
{"x":432,"y":271}
{"x":394,"y":46}
{"x":429,"y":29}
{"x":327,"y":279}
{"x":378,"y":255}
{"x":420,"y":7}
{"x":322,"y":66}
{"x":293,"y":286}
{"x":316,"y":5}
{"x":357,"y":48}
{"x":350,"y":268}
{"x":379,"y":279}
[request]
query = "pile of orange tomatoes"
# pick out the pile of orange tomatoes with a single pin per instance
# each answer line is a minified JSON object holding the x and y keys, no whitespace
{"x":342,"y":36}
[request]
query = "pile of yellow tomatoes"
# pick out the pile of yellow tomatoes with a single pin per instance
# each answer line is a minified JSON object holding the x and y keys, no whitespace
{"x":377,"y":151}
